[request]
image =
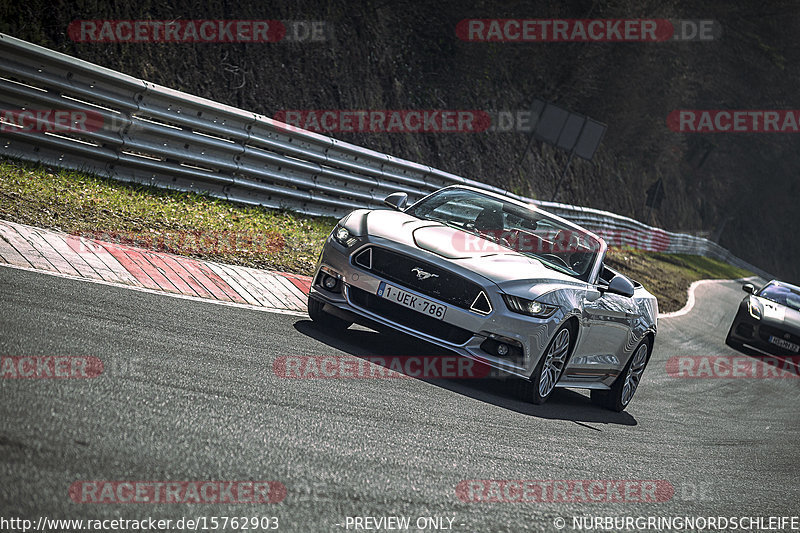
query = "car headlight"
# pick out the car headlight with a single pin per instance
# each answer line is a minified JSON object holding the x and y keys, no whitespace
{"x":528,"y":307}
{"x":755,"y":308}
{"x":343,"y":236}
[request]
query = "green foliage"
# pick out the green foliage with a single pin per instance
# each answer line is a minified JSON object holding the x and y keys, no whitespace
{"x":82,"y":204}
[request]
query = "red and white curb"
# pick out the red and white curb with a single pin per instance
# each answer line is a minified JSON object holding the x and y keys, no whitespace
{"x":71,"y":256}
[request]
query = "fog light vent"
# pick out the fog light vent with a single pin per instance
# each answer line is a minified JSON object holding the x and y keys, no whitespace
{"x":364,"y":259}
{"x":481,"y":304}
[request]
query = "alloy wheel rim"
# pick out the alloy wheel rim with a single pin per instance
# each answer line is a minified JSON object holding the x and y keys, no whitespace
{"x":634,"y":374}
{"x":554,"y":363}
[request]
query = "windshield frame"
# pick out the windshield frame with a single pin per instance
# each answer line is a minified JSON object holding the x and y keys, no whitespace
{"x":786,"y":286}
{"x":590,"y":275}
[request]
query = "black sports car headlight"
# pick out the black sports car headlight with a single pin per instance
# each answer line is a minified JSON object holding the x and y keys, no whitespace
{"x":343,"y":236}
{"x":528,"y":307}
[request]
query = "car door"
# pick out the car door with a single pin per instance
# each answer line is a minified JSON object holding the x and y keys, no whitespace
{"x":606,"y":323}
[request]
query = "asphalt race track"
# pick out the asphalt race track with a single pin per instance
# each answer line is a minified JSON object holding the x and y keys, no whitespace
{"x":188,"y":392}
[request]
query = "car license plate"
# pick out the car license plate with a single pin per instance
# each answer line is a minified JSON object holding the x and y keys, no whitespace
{"x":412,"y":301}
{"x":786,"y":345}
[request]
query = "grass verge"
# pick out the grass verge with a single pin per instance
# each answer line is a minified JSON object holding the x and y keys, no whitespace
{"x":200,"y":226}
{"x":668,"y":276}
{"x":188,"y":224}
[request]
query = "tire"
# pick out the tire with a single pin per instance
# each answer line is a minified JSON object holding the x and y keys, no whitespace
{"x":549,"y":370}
{"x":325,"y":320}
{"x":624,"y":387}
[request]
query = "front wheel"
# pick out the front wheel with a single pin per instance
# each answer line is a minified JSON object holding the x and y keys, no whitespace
{"x":547,"y":373}
{"x":326,"y":320}
{"x":624,"y":387}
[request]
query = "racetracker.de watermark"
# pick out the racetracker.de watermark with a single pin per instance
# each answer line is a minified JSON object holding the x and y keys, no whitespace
{"x":379,"y":367}
{"x":198,"y":31}
{"x":547,"y":241}
{"x":49,"y":367}
{"x":387,"y":121}
{"x":50,"y":121}
{"x":733,"y":367}
{"x":203,"y":492}
{"x":734,"y":121}
{"x":564,"y":490}
{"x":586,"y":30}
{"x":198,"y":242}
{"x":494,"y":241}
{"x":409,"y":120}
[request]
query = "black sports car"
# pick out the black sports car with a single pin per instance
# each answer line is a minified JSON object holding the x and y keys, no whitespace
{"x":768,"y":319}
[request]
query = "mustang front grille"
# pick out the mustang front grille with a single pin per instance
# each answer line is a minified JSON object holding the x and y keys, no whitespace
{"x":425,"y":278}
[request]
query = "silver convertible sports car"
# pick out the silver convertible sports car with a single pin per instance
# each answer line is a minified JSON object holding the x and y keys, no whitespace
{"x":495,"y":280}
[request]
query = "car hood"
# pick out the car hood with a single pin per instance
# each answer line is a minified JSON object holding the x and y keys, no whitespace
{"x":781,"y":315}
{"x":503,"y":266}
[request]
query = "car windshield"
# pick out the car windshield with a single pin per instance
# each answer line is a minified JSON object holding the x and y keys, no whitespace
{"x":782,"y":294}
{"x":505,"y":225}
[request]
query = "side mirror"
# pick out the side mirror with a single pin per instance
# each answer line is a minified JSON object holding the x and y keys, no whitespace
{"x":396,"y":200}
{"x":620,"y":285}
{"x":748,"y":288}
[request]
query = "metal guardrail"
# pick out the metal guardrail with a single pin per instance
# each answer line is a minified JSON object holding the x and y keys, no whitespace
{"x":158,"y":136}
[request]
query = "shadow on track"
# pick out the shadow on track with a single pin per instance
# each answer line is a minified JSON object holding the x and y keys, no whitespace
{"x":564,"y":404}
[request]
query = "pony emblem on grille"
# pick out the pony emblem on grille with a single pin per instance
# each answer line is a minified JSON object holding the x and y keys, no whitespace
{"x":421,"y":274}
